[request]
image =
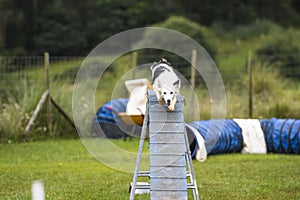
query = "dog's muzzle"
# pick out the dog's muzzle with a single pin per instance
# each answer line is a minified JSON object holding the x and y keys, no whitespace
{"x":168,"y":102}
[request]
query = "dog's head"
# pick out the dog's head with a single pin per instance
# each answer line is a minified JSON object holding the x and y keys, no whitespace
{"x":168,"y":94}
{"x":162,"y":61}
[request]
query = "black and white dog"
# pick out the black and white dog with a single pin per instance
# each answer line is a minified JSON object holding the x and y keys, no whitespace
{"x":165,"y":82}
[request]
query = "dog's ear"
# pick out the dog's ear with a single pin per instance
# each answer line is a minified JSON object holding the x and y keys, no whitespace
{"x":163,"y":60}
{"x":153,"y":65}
{"x":176,"y":85}
{"x":158,"y":85}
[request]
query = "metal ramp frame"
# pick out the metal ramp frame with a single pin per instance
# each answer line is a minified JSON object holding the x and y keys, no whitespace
{"x":170,"y":158}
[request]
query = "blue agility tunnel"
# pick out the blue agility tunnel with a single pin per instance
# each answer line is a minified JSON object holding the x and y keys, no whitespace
{"x":282,"y":135}
{"x":220,"y":136}
{"x":107,"y":122}
{"x":109,"y":109}
{"x":107,"y":117}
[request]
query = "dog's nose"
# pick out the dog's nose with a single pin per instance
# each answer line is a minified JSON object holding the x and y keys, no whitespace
{"x":168,"y":101}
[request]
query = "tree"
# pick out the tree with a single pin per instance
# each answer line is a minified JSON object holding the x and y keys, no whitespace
{"x":10,"y":23}
{"x":282,"y":50}
{"x":73,"y":27}
{"x":59,"y":33}
{"x":237,"y":12}
{"x":279,"y":11}
{"x":201,"y":34}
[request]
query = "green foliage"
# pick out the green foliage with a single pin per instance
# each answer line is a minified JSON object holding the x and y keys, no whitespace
{"x":73,"y":27}
{"x":21,"y":93}
{"x":224,"y":13}
{"x":273,"y":95}
{"x":19,"y":106}
{"x":60,"y":34}
{"x":17,"y":110}
{"x":70,"y":27}
{"x":281,"y":110}
{"x":282,"y":49}
{"x":280,"y":11}
{"x":258,"y":28}
{"x":267,"y":81}
{"x":18,"y":103}
{"x":201,"y":34}
{"x":228,"y":14}
{"x":278,"y":48}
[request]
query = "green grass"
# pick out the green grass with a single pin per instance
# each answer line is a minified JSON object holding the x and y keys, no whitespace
{"x":68,"y":171}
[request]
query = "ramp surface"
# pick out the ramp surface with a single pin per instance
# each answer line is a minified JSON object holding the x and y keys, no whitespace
{"x":167,"y":150}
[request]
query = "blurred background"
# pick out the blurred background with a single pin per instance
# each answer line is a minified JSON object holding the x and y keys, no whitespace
{"x":72,"y":28}
{"x":261,"y":35}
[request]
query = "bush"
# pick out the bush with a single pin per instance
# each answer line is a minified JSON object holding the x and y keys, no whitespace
{"x":203,"y":35}
{"x":273,"y":95}
{"x":267,"y":81}
{"x":17,"y":109}
{"x":282,"y":50}
{"x":258,"y":28}
{"x":281,"y":110}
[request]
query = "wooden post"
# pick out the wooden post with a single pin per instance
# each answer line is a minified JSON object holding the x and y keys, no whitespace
{"x":49,"y":116}
{"x":250,"y":85}
{"x":64,"y":114}
{"x":35,"y":113}
{"x":134,"y":63}
{"x":193,"y":71}
{"x":193,"y":83}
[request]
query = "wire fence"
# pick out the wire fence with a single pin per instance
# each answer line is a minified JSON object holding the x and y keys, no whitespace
{"x":14,"y":69}
{"x":270,"y":98}
{"x":17,"y":68}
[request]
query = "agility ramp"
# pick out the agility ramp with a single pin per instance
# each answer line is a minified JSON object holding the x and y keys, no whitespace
{"x":171,"y":171}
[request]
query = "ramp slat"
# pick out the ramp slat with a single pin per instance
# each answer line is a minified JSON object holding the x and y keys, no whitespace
{"x":166,"y":160}
{"x":168,"y":184}
{"x":156,"y":107}
{"x":168,"y":172}
{"x":167,"y":138}
{"x":169,"y":148}
{"x":156,"y":127}
{"x":173,"y":195}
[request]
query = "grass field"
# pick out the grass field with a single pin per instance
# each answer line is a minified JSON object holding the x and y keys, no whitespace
{"x":68,"y":171}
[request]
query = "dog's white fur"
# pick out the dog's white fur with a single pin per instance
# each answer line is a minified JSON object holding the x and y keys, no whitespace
{"x":166,"y":83}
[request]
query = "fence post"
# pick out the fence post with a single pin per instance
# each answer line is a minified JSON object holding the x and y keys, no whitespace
{"x":192,"y":114}
{"x":49,"y":116}
{"x":193,"y":72}
{"x":35,"y":113}
{"x":134,"y":63}
{"x":250,"y":84}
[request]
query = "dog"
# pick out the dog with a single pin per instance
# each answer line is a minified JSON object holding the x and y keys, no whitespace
{"x":165,"y":83}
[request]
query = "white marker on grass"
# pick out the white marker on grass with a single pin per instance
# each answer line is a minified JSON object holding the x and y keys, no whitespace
{"x":38,"y":191}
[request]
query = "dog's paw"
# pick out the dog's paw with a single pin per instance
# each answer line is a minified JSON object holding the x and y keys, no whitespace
{"x":171,"y":107}
{"x":161,"y":101}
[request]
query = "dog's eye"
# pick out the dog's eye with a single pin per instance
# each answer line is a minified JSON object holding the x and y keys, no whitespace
{"x":171,"y":92}
{"x":165,"y":93}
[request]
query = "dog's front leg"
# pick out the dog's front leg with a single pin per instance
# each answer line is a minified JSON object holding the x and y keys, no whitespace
{"x":160,"y":100}
{"x":172,"y":105}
